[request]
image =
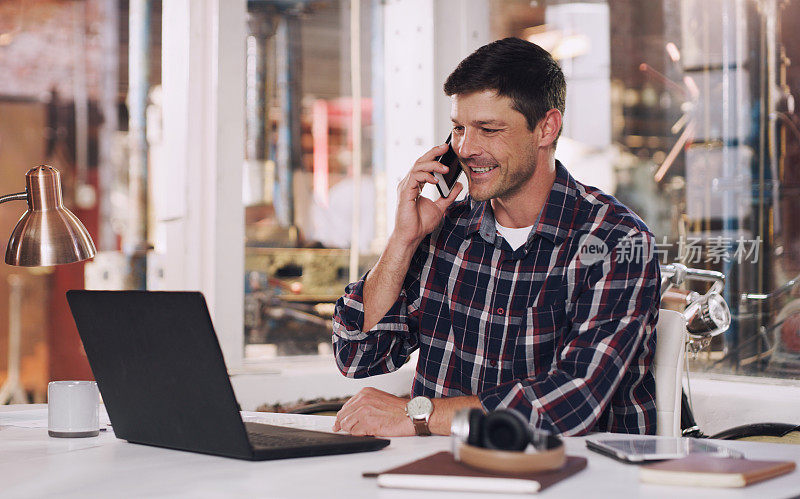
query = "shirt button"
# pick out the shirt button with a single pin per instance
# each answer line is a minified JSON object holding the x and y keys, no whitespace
{"x":500,"y":311}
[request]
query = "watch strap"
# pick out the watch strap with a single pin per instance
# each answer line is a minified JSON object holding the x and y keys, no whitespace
{"x":421,"y":427}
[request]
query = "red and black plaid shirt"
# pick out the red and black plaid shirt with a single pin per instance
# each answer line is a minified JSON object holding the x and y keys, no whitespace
{"x":561,"y":329}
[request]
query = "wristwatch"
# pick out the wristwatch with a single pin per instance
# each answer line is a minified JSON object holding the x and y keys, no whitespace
{"x":419,"y":409}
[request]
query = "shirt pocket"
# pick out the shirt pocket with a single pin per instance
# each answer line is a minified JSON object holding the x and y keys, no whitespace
{"x":538,"y":340}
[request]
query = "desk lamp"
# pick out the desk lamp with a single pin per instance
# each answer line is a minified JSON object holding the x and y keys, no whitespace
{"x":706,"y":315}
{"x":47,"y":234}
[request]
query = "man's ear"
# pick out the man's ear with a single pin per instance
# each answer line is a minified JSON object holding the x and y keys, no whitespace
{"x":550,"y":126}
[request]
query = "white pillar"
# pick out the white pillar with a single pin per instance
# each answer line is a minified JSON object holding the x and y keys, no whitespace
{"x":588,"y":109}
{"x":423,"y":43}
{"x":199,"y":237}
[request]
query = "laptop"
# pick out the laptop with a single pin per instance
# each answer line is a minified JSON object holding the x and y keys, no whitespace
{"x":160,"y":370}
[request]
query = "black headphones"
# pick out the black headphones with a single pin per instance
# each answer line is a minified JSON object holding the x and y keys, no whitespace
{"x":497,"y":441}
{"x":502,"y":429}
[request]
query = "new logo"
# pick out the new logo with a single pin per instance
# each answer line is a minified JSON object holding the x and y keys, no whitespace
{"x":591,"y":249}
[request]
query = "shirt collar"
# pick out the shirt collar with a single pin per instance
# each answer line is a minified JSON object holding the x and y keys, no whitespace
{"x":554,"y":222}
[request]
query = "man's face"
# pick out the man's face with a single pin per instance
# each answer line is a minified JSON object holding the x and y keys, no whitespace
{"x":493,"y":143}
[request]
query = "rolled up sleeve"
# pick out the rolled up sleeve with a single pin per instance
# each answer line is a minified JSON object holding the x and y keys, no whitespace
{"x":385,"y":347}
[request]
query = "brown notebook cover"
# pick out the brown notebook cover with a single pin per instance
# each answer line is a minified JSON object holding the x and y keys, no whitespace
{"x":705,"y":471}
{"x":441,"y":472}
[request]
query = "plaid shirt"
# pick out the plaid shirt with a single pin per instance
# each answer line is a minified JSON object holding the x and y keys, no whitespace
{"x":561,"y":329}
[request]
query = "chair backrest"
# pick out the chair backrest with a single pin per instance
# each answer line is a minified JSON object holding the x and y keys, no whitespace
{"x":668,"y":371}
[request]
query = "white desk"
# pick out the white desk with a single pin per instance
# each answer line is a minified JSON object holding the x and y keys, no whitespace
{"x":35,"y":465}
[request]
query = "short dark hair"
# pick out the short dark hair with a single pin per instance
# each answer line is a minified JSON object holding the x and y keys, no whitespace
{"x":514,"y":68}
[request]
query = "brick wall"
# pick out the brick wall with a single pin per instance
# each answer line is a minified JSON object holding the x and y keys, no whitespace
{"x":39,"y":46}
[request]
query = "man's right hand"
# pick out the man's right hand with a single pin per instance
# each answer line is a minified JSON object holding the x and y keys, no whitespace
{"x":417,"y":216}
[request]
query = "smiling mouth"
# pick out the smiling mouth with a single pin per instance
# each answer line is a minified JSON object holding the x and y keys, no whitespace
{"x":482,"y":169}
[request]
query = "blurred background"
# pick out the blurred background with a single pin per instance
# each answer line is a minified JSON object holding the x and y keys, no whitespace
{"x":252,"y":149}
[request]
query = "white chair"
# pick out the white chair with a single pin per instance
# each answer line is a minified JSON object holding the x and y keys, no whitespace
{"x":668,"y":371}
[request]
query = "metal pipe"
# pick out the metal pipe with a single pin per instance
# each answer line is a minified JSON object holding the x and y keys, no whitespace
{"x":80,"y":95}
{"x":288,"y":154}
{"x":260,"y":28}
{"x":257,"y":132}
{"x":138,"y":85}
{"x":134,"y":238}
{"x":772,"y":91}
{"x":355,"y":126}
{"x":676,"y":273}
{"x":11,"y":390}
{"x":788,"y":285}
{"x":378,"y":126}
{"x":705,"y":275}
{"x":109,"y":82}
{"x":20,"y":196}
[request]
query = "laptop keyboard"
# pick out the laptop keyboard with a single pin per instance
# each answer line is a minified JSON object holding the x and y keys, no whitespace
{"x":261,"y":440}
{"x":268,"y":436}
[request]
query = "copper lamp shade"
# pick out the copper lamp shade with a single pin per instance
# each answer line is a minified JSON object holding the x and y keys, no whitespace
{"x":47,"y":234}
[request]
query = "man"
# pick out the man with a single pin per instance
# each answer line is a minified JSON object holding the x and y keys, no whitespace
{"x":535,"y":293}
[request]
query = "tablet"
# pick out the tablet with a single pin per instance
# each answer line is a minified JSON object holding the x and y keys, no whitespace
{"x":640,"y":450}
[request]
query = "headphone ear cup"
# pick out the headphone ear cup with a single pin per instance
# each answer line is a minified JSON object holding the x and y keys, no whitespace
{"x":505,"y":430}
{"x":475,"y":427}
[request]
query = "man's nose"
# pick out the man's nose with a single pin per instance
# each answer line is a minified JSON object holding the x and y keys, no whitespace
{"x":468,"y":147}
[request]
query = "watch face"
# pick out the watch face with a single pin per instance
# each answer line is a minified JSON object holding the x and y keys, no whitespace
{"x":419,"y":407}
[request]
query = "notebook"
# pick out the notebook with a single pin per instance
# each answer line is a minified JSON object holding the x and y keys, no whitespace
{"x":441,"y":472}
{"x":160,"y":370}
{"x":705,"y":471}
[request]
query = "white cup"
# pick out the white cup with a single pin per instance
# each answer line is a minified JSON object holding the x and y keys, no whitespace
{"x":73,"y":409}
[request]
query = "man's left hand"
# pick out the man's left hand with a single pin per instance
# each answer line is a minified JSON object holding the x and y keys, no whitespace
{"x":375,"y":412}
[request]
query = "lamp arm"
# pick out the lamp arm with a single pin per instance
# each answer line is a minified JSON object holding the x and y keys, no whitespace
{"x":20,"y":196}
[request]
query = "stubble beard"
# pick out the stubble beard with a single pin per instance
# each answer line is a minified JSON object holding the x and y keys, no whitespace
{"x":507,"y":186}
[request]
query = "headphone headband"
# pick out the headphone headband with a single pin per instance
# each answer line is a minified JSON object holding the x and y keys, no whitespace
{"x":473,"y":439}
{"x":509,"y":462}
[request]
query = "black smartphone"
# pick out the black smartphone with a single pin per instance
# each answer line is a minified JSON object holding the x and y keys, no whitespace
{"x":450,"y":160}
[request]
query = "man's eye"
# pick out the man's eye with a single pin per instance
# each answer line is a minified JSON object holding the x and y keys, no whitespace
{"x":458,"y":128}
{"x":490,"y":130}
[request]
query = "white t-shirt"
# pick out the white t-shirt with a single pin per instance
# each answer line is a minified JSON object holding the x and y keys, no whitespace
{"x":515,"y":237}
